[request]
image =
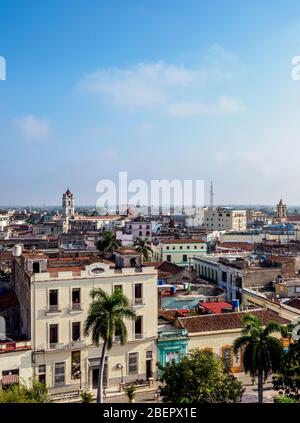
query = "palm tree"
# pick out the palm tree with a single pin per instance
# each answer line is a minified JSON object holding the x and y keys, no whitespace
{"x":143,"y":247}
{"x":106,"y":317}
{"x":261,"y":352}
{"x":108,"y":243}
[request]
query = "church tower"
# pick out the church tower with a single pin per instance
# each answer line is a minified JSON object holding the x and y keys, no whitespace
{"x":68,"y":204}
{"x":281,"y":211}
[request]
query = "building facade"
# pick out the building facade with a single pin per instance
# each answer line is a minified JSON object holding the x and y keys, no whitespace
{"x":224,"y":219}
{"x":139,"y":229}
{"x":54,"y":303}
{"x":180,"y":251}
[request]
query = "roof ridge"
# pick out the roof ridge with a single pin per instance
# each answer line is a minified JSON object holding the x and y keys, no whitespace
{"x":227,"y":314}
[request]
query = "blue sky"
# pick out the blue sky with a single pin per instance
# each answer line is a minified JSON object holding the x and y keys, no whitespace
{"x":162,"y":89}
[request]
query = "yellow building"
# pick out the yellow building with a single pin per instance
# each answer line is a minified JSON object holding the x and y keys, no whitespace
{"x":217,"y":332}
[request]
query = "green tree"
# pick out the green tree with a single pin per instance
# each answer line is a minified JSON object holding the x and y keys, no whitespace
{"x":200,"y":377}
{"x":282,"y":399}
{"x":106,"y":317}
{"x":262,"y":352}
{"x":36,"y":392}
{"x":108,"y":243}
{"x":144,"y":248}
{"x":86,"y":397}
{"x":287,"y":380}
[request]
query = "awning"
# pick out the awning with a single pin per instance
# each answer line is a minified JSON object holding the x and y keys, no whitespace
{"x":9,"y":380}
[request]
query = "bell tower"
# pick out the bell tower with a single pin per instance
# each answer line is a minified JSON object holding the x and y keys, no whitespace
{"x":281,"y":211}
{"x":68,"y":204}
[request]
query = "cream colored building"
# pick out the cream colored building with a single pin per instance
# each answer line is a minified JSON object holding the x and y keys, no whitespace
{"x":54,"y":303}
{"x":224,"y":219}
{"x":217,"y":332}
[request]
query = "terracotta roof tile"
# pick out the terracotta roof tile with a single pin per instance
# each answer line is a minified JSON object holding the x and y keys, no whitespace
{"x":295,"y":303}
{"x":215,"y":322}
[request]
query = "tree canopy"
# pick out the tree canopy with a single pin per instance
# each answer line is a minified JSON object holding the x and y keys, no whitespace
{"x":287,"y":380}
{"x":200,"y":377}
{"x":35,"y":393}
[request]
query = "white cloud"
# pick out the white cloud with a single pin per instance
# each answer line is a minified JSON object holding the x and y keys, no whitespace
{"x":224,"y":104}
{"x":160,"y":87}
{"x":144,"y":85}
{"x":229,"y":104}
{"x":189,"y":109}
{"x":32,"y":128}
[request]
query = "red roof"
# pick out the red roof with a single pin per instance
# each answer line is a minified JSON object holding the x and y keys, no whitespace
{"x":295,"y":303}
{"x":216,"y":307}
{"x":226,"y":321}
{"x":65,"y":269}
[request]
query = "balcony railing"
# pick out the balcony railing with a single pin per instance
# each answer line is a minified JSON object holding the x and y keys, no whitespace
{"x":76,"y":306}
{"x":138,"y":301}
{"x":53,"y":308}
{"x":58,"y":346}
{"x":138,"y":336}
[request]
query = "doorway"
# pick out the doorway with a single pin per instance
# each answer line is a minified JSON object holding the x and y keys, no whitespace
{"x":148,"y":369}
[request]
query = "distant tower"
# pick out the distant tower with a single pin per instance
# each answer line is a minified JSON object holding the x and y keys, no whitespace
{"x":281,"y":211}
{"x":211,"y":199}
{"x":68,"y":204}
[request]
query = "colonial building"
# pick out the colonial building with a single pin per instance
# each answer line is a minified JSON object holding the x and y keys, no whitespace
{"x":54,"y":300}
{"x":281,"y":212}
{"x":139,"y":229}
{"x":68,"y":204}
{"x":233,"y":272}
{"x":180,"y":251}
{"x":224,"y":219}
{"x":217,"y":332}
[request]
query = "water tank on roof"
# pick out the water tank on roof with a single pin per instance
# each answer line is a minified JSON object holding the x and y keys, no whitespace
{"x":17,"y":250}
{"x":236,"y":305}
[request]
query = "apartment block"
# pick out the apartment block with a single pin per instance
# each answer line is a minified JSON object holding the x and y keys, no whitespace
{"x":54,"y":301}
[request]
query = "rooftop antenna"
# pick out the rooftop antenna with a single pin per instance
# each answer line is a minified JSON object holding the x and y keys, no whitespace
{"x":211,"y":203}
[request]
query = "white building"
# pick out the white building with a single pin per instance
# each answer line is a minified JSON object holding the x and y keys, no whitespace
{"x":68,"y":204}
{"x":54,"y":303}
{"x":4,"y":221}
{"x":196,"y":219}
{"x":224,"y":219}
{"x":15,"y":362}
{"x":139,"y":229}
